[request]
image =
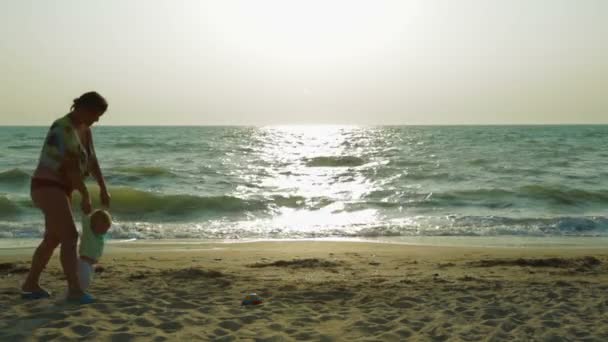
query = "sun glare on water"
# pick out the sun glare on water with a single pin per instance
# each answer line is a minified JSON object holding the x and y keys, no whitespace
{"x":314,"y":163}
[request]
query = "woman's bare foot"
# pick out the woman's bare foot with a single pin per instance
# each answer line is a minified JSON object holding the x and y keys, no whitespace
{"x":27,"y":287}
{"x":34,"y":292}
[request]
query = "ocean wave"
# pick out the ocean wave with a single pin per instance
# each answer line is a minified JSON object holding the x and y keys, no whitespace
{"x":480,"y":161}
{"x":566,"y":196}
{"x":14,"y":177}
{"x":466,"y":226}
{"x":517,"y":171}
{"x":21,"y":229}
{"x":135,"y":144}
{"x":335,"y":161}
{"x":561,"y":225}
{"x":8,"y":208}
{"x":533,"y":196}
{"x":482,"y":197}
{"x":289,"y":201}
{"x":430,"y":175}
{"x":147,"y":171}
{"x":489,"y":226}
{"x":165,"y":146}
{"x":413,"y":226}
{"x":130,"y":203}
{"x":299,"y":202}
{"x":407,"y":162}
{"x":497,"y":197}
{"x":22,"y":147}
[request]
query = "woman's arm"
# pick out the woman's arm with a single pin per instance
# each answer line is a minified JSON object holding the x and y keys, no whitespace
{"x":96,"y":171}
{"x":72,"y":176}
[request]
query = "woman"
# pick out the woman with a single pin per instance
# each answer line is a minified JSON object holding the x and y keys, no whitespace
{"x":67,"y":157}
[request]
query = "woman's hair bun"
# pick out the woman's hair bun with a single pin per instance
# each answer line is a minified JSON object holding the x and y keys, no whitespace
{"x":91,"y":100}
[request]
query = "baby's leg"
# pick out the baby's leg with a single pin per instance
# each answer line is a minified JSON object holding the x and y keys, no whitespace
{"x":85,"y":274}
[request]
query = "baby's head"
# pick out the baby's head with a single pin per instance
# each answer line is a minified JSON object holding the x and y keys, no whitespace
{"x":100,"y":221}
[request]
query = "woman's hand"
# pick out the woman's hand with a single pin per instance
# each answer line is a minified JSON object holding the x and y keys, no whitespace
{"x":105,"y":197}
{"x":85,"y":204}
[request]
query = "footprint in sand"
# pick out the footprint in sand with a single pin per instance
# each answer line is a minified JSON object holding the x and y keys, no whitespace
{"x":491,"y":322}
{"x":248,"y":319}
{"x":507,"y":325}
{"x":403,"y":304}
{"x":494,"y":312}
{"x":378,"y":320}
{"x":551,"y":324}
{"x":58,"y":325}
{"x":276,"y":327}
{"x":135,"y":310}
{"x":304,"y":336}
{"x":416,"y":325}
{"x":181,"y":304}
{"x":307,"y":320}
{"x":230,"y":325}
{"x":143,"y":322}
{"x":44,"y":337}
{"x":83,"y":330}
{"x":328,"y":317}
{"x":169,"y":327}
{"x":120,"y":337}
{"x":220,"y":332}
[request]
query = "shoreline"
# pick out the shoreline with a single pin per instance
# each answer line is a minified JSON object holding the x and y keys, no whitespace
{"x":9,"y":245}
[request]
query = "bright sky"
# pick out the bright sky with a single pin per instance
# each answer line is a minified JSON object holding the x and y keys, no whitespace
{"x":315,"y":61}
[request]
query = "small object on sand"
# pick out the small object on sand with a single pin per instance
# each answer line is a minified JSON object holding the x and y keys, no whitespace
{"x":252,"y":299}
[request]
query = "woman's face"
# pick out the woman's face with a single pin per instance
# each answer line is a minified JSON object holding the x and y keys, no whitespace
{"x":91,"y":116}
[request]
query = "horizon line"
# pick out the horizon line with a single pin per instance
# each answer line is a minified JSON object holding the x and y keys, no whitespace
{"x":331,"y":124}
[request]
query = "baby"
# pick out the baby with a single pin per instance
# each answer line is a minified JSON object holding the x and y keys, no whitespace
{"x":92,"y":240}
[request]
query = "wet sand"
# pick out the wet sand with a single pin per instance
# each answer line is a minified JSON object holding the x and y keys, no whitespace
{"x":318,"y":290}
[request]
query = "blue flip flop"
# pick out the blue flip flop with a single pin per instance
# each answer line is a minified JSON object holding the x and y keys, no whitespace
{"x":84,"y":299}
{"x":39,"y":294}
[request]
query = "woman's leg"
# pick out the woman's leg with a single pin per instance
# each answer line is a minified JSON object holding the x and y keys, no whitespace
{"x":45,"y":250}
{"x":60,"y":229}
{"x":39,"y":261}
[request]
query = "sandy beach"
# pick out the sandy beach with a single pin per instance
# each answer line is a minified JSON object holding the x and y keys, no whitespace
{"x":320,"y":291}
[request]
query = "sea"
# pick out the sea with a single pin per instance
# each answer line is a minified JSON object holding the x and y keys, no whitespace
{"x":405,"y":183}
